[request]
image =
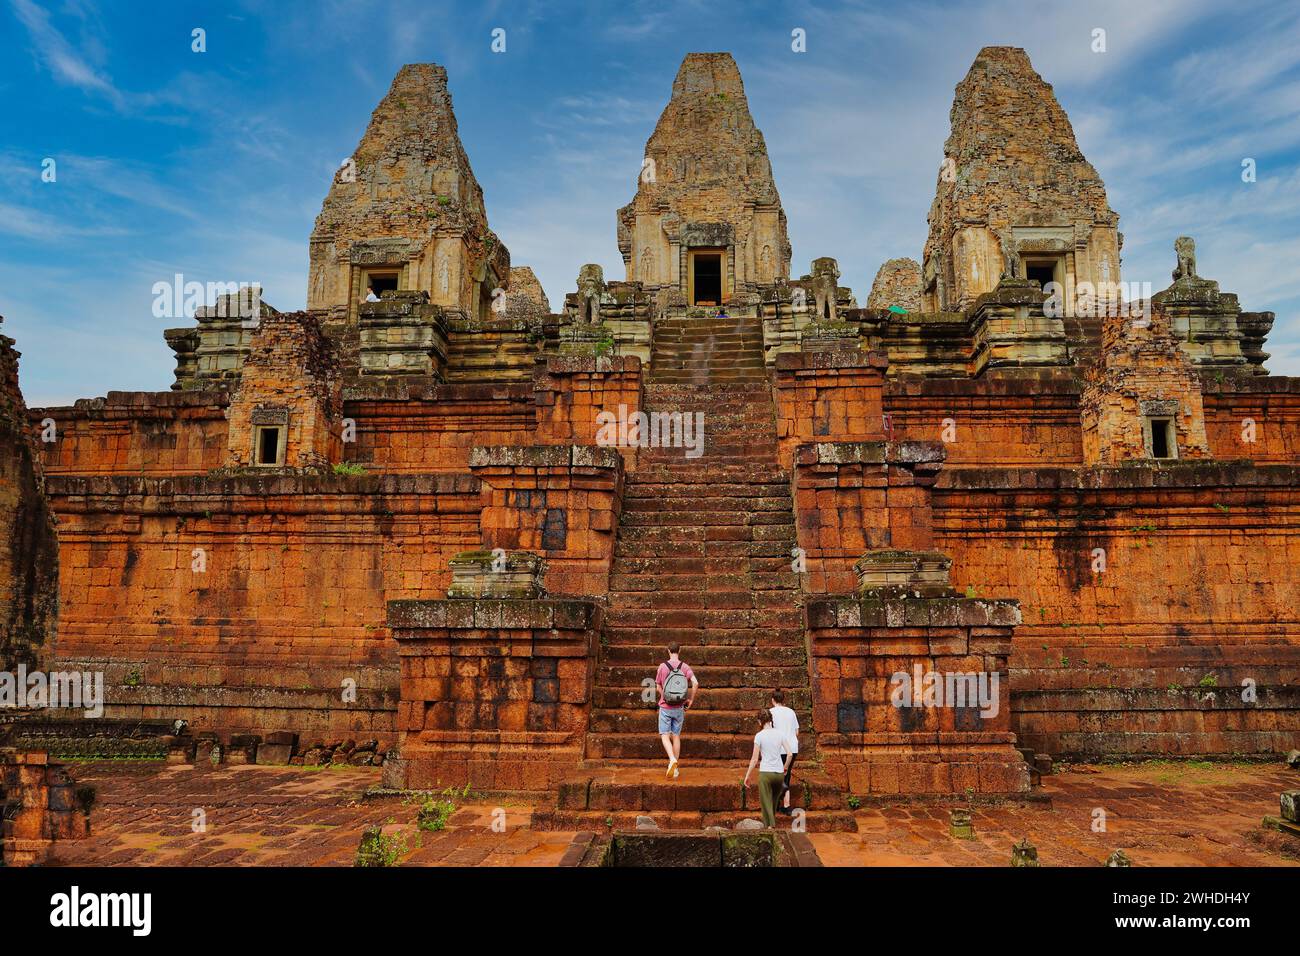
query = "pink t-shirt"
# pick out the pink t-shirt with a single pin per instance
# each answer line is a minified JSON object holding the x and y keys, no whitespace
{"x":662,"y":676}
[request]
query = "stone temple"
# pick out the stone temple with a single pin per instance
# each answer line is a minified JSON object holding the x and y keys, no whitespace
{"x":997,"y":513}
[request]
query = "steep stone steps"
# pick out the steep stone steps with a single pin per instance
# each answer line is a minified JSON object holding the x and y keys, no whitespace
{"x":643,"y":721}
{"x":740,"y":636}
{"x":695,"y":746}
{"x":705,"y":620}
{"x":617,"y":675}
{"x":707,"y":351}
{"x":748,"y":699}
{"x":704,"y":794}
{"x":702,"y":558}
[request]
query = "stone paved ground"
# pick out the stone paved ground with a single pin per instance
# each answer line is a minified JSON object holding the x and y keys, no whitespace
{"x":1160,"y":814}
{"x":272,"y":816}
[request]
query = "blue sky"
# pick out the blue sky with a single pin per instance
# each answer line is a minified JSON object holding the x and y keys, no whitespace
{"x":214,"y":164}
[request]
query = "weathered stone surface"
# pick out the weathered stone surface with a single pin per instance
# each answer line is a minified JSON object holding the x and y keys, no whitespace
{"x":502,"y":575}
{"x":1014,"y":190}
{"x":1290,"y":805}
{"x":407,"y":204}
{"x":706,"y":183}
{"x":290,"y":383}
{"x":1143,"y":380}
{"x":211,"y":352}
{"x":525,"y":297}
{"x":1024,"y":853}
{"x":898,"y":285}
{"x":905,"y":570}
{"x":29,"y":559}
{"x":39,"y":804}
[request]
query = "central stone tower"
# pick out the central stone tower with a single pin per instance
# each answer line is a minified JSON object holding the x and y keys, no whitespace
{"x":706,"y":222}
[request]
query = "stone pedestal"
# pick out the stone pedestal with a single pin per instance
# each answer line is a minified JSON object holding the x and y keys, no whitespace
{"x":499,"y":575}
{"x":1010,"y":329}
{"x":1203,"y":321}
{"x":910,"y":690}
{"x":39,"y":804}
{"x":852,"y":496}
{"x":494,"y":693}
{"x":402,"y":334}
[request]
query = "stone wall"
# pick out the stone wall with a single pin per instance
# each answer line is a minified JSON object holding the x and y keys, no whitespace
{"x":871,"y":743}
{"x":832,"y":396}
{"x":1255,"y":417}
{"x":243,"y":605}
{"x":1006,"y":422}
{"x":134,"y":433}
{"x":495,"y":693}
{"x":29,"y":558}
{"x":39,"y":804}
{"x":560,"y":501}
{"x":1148,"y":655}
{"x":573,"y":392}
{"x":854,"y":497}
{"x":432,"y":430}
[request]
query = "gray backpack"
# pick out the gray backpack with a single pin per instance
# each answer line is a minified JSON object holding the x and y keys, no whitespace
{"x":676,"y":685}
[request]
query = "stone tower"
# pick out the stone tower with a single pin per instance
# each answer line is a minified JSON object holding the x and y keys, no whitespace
{"x":1015,"y":195}
{"x":1142,"y":401}
{"x":706,"y":211}
{"x":405,"y":211}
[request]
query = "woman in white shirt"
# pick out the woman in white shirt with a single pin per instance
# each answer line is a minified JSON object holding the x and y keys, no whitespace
{"x":787,"y":722}
{"x":769,"y":745}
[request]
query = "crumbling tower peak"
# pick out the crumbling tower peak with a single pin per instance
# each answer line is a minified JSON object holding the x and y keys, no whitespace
{"x":706,"y":200}
{"x":1015,"y":195}
{"x":708,"y":73}
{"x":405,"y":211}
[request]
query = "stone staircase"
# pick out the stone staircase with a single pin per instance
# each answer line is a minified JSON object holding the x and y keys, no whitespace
{"x":703,"y":558}
{"x":714,"y":350}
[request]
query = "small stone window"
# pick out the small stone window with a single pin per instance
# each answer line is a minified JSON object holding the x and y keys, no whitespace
{"x":268,"y":445}
{"x":1161,"y":440}
{"x":1044,"y":270}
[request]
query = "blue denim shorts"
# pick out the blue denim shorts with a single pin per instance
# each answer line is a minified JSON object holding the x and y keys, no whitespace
{"x":670,"y":721}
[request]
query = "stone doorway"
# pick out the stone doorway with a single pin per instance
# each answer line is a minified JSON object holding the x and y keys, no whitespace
{"x":706,"y":277}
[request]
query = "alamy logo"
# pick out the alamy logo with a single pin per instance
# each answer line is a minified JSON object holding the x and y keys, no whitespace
{"x":923,"y":688}
{"x":64,"y":690}
{"x":75,"y":909}
{"x":653,"y":430}
{"x":230,"y":300}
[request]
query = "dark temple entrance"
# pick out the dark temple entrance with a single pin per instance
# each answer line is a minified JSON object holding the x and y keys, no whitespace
{"x":706,"y":278}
